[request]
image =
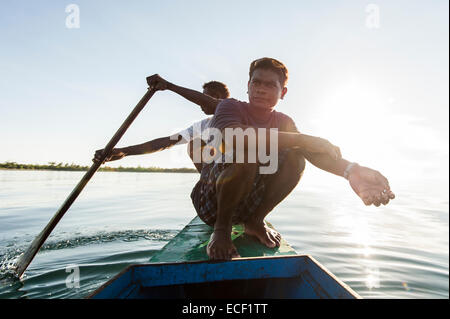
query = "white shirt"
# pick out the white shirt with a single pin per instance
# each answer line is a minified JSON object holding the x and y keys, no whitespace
{"x":195,"y":130}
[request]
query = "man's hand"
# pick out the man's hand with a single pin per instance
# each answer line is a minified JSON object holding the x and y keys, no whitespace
{"x":313,"y":144}
{"x":116,"y":154}
{"x":370,"y":186}
{"x":157,"y":83}
{"x":206,"y":102}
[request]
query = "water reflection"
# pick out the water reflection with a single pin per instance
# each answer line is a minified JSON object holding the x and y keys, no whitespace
{"x":372,"y":279}
{"x":356,"y":231}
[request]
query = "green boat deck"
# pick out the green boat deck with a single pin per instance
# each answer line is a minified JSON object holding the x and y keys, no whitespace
{"x":190,"y":244}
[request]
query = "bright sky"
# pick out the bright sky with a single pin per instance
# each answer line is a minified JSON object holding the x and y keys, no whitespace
{"x":373,"y":79}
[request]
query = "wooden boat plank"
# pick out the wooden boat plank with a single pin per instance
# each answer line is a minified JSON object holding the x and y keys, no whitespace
{"x":295,"y":276}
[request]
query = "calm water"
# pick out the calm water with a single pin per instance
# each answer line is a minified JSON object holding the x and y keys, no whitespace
{"x":396,"y":251}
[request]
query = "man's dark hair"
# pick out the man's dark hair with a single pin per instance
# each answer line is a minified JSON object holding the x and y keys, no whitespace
{"x":219,"y":90}
{"x":273,"y":65}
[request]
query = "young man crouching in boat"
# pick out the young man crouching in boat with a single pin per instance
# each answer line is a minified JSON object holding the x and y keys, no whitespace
{"x":230,"y":192}
{"x":213,"y":89}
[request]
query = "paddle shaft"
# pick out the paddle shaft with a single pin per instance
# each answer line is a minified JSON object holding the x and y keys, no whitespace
{"x":32,"y":250}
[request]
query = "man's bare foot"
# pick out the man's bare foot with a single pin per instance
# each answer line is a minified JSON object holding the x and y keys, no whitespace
{"x":265,"y":234}
{"x":221,"y":247}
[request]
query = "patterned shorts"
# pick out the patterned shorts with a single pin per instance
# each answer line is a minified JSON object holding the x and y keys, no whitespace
{"x":204,"y":195}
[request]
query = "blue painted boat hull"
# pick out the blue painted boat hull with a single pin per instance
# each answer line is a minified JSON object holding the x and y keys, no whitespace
{"x":280,"y":277}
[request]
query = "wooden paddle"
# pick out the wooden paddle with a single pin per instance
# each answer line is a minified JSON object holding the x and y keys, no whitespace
{"x":32,"y":250}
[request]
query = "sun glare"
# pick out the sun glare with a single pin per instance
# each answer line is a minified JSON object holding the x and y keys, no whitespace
{"x":353,"y":115}
{"x":358,"y":117}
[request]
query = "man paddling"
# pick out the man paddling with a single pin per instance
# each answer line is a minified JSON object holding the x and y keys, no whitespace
{"x":214,"y":89}
{"x":229,"y":193}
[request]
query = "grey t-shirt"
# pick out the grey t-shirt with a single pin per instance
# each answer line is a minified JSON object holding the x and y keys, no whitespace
{"x":231,"y":112}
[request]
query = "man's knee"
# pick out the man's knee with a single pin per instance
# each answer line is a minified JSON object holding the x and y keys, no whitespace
{"x":238,"y":173}
{"x":296,"y":162}
{"x":301,"y":164}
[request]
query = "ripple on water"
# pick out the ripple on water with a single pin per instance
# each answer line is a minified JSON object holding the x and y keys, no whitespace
{"x":51,"y":276}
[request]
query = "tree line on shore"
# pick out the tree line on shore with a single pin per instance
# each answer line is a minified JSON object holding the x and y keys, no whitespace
{"x":73,"y":167}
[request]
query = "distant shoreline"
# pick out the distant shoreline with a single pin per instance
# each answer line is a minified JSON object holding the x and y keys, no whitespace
{"x":52,"y":166}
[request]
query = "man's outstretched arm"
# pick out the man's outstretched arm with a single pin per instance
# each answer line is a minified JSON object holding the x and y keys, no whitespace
{"x":206,"y":102}
{"x":149,"y":147}
{"x":370,"y":185}
{"x":326,"y":163}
